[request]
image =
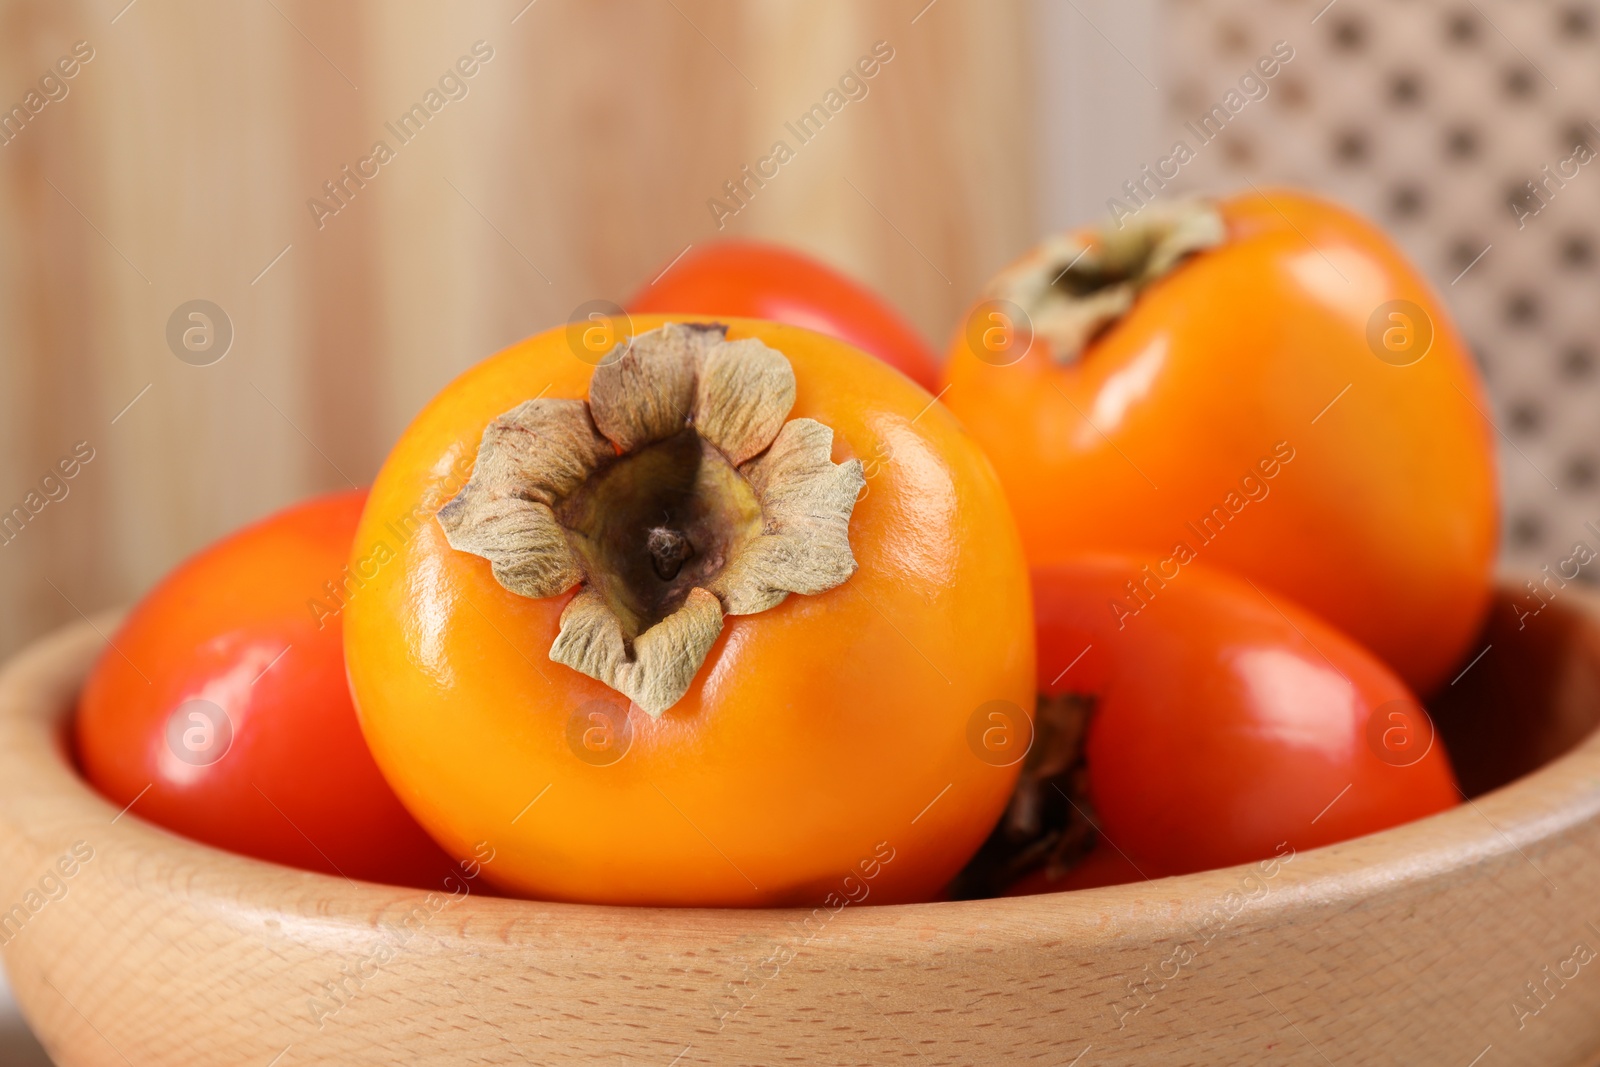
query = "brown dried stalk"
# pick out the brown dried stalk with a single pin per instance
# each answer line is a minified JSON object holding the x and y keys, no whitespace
{"x":1072,"y":288}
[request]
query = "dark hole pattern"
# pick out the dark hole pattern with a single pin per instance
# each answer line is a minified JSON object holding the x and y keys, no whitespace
{"x":1519,"y":83}
{"x":1522,"y":309}
{"x":1349,"y":34}
{"x":1525,"y":418}
{"x":1577,"y":132}
{"x":1577,"y":251}
{"x":1407,"y":201}
{"x":1527,"y":530}
{"x":1463,"y":252}
{"x":1461,"y":27}
{"x":1350,"y":146}
{"x":1233,"y":39}
{"x":1577,"y":362}
{"x":1405,"y":89}
{"x":1293,"y":94}
{"x":1461,"y":143}
{"x":1519,"y":191}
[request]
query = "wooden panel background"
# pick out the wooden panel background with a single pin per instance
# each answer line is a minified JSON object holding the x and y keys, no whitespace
{"x":179,"y":164}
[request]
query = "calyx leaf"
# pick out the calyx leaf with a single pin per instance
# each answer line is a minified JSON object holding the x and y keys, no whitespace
{"x":1073,"y":288}
{"x":769,"y":507}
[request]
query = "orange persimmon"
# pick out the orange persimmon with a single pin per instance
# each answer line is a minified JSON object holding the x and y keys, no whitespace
{"x":705,"y":624}
{"x":1263,"y":384}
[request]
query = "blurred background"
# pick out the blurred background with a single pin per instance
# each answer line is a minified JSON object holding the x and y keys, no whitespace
{"x":177,"y":161}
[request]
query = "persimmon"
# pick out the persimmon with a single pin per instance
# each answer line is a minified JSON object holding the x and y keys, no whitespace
{"x":704,"y":624}
{"x":1226,"y":720}
{"x":757,"y":280}
{"x":219,"y":708}
{"x":1263,"y":384}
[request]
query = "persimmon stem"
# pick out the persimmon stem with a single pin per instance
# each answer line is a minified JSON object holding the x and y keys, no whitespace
{"x":669,"y":550}
{"x":1075,"y":286}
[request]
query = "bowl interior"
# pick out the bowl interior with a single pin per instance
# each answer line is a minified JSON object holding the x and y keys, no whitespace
{"x":1398,"y":947}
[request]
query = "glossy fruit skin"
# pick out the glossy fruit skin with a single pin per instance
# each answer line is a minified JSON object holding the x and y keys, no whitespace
{"x":1226,"y":723}
{"x":755,"y":280}
{"x":297,"y":785}
{"x":1385,"y":520}
{"x":815,"y":734}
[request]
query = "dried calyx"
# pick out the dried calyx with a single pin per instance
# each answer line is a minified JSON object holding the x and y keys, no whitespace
{"x":1074,"y":287}
{"x":675,"y":495}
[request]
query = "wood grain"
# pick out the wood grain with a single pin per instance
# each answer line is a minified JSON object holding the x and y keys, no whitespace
{"x":1410,"y":946}
{"x":578,"y":165}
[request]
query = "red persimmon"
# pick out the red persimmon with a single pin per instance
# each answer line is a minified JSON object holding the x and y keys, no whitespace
{"x":1225,"y":722}
{"x":219,"y":708}
{"x":754,"y":280}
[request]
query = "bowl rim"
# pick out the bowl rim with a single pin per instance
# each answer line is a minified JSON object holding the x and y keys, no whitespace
{"x":43,"y":799}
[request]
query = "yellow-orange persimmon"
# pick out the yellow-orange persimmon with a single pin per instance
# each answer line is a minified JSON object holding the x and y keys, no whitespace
{"x":1264,"y":385}
{"x":817,"y":750}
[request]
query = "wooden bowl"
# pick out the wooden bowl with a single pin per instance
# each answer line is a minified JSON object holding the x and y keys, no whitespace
{"x":1466,"y":938}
